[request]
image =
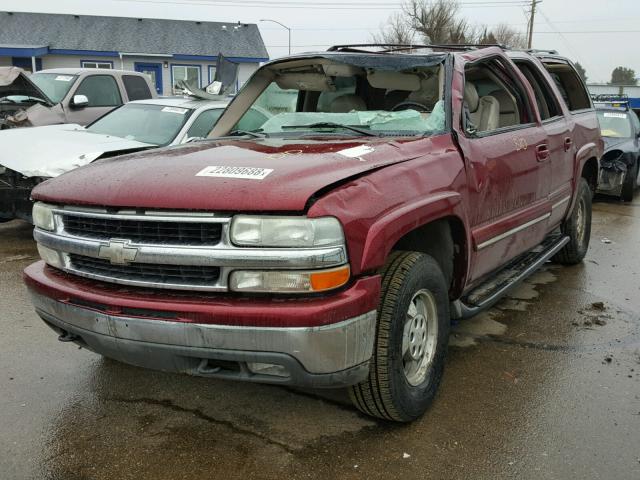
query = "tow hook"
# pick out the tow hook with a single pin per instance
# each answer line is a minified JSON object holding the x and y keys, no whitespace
{"x":68,"y":337}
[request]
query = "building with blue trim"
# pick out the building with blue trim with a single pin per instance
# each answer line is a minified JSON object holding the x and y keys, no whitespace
{"x":167,"y":50}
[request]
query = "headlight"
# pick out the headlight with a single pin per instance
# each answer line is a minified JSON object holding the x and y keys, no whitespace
{"x":291,"y":281}
{"x":51,"y":257}
{"x":266,"y":231}
{"x":42,"y":215}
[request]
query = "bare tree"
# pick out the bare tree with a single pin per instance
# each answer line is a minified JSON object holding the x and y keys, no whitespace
{"x":505,"y":35}
{"x":396,"y":31}
{"x":436,"y":21}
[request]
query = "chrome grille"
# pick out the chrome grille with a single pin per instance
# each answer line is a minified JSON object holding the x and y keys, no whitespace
{"x":165,"y":249}
{"x":146,"y":272}
{"x":144,"y":231}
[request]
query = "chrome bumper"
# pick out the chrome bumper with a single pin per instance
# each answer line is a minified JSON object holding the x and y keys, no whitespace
{"x":327,"y":356}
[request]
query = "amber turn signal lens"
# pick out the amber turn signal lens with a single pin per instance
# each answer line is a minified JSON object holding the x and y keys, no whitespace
{"x":329,"y":279}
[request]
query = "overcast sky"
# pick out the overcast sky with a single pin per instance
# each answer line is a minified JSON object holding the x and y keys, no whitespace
{"x":600,"y":34}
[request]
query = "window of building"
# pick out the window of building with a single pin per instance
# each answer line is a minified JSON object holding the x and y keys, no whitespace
{"x":96,"y":64}
{"x":189,"y":73}
{"x":212,"y":73}
{"x":571,"y":87}
{"x":545,"y":99}
{"x":101,"y":90}
{"x":136,"y":87}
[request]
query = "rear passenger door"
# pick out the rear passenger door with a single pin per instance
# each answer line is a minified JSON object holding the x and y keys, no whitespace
{"x":103,"y":94}
{"x":506,"y":155}
{"x":557,"y":127}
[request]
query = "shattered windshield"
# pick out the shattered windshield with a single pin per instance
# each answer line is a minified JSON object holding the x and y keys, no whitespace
{"x":154,"y":124}
{"x":614,"y":124}
{"x":349,"y":100}
{"x":54,"y":85}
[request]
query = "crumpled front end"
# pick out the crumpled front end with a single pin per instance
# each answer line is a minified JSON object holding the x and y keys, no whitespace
{"x":613,"y":170}
{"x":25,"y":113}
{"x":15,"y":194}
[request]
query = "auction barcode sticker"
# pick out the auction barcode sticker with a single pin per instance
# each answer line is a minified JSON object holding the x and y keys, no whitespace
{"x":615,"y":115}
{"x":251,"y":173}
{"x":181,"y":111}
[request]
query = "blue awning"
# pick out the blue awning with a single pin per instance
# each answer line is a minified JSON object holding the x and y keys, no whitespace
{"x":23,"y":50}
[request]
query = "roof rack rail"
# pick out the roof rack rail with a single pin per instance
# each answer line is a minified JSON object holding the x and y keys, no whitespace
{"x":610,"y":97}
{"x":395,"y":47}
{"x":541,"y":50}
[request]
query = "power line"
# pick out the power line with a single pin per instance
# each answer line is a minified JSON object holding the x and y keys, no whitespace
{"x":321,"y":5}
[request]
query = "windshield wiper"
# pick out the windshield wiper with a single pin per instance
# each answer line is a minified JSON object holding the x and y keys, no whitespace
{"x":361,"y":131}
{"x":248,"y":132}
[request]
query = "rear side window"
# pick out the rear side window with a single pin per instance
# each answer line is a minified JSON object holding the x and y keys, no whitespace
{"x":571,"y":87}
{"x":101,"y":90}
{"x":202,"y":125}
{"x":136,"y":87}
{"x":545,"y":98}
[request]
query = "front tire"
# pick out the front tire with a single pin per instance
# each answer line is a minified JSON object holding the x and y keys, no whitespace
{"x":411,"y":340}
{"x":577,"y":227}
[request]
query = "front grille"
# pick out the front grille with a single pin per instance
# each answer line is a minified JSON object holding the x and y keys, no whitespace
{"x":144,"y":231}
{"x":146,"y":272}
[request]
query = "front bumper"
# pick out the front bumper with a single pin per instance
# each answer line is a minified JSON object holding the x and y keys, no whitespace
{"x":324,"y":354}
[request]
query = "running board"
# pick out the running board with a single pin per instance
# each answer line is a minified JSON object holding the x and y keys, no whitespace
{"x":488,"y":293}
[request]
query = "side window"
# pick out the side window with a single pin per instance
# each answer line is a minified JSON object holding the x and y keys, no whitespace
{"x":101,"y":90}
{"x":252,"y":120}
{"x":545,"y":99}
{"x":202,"y":125}
{"x":136,"y":87}
{"x":571,"y":87}
{"x":278,"y":100}
{"x":493,"y":98}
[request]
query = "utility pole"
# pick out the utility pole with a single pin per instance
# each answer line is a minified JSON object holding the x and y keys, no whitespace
{"x":531,"y":20}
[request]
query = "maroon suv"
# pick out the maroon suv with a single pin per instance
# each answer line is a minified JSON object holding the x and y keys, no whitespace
{"x":331,"y":245}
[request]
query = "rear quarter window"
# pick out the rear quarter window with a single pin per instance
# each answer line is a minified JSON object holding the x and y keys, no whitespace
{"x":572,"y":89}
{"x":136,"y":87}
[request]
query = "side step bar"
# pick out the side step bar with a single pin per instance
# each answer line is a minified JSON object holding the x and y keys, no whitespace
{"x":487,"y":294}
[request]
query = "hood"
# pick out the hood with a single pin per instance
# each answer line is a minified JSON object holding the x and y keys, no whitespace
{"x":611,"y":143}
{"x":55,"y":149}
{"x":13,"y":81}
{"x":239,"y":175}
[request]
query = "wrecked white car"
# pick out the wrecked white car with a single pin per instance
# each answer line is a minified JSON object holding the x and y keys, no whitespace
{"x":31,"y":155}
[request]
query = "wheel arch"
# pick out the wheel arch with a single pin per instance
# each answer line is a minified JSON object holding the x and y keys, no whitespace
{"x":590,"y":173}
{"x":434,"y":226}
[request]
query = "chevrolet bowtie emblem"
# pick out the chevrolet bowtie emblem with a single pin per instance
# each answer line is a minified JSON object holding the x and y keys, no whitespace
{"x":118,"y":252}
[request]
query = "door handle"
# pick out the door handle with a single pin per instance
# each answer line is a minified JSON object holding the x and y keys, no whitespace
{"x":567,"y":144}
{"x":542,"y":152}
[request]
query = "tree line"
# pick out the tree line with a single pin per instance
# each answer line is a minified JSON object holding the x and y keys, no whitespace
{"x":439,"y":22}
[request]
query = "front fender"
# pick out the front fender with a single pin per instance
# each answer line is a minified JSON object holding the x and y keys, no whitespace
{"x":386,"y":231}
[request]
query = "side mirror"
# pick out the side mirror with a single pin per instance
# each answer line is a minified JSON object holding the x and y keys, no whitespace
{"x":79,"y":101}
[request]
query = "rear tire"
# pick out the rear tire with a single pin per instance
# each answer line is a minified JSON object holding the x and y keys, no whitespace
{"x":412,"y":334}
{"x":629,"y":185}
{"x":577,"y":227}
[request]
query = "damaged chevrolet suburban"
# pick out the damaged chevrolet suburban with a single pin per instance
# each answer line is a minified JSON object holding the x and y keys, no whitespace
{"x":392,"y":190}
